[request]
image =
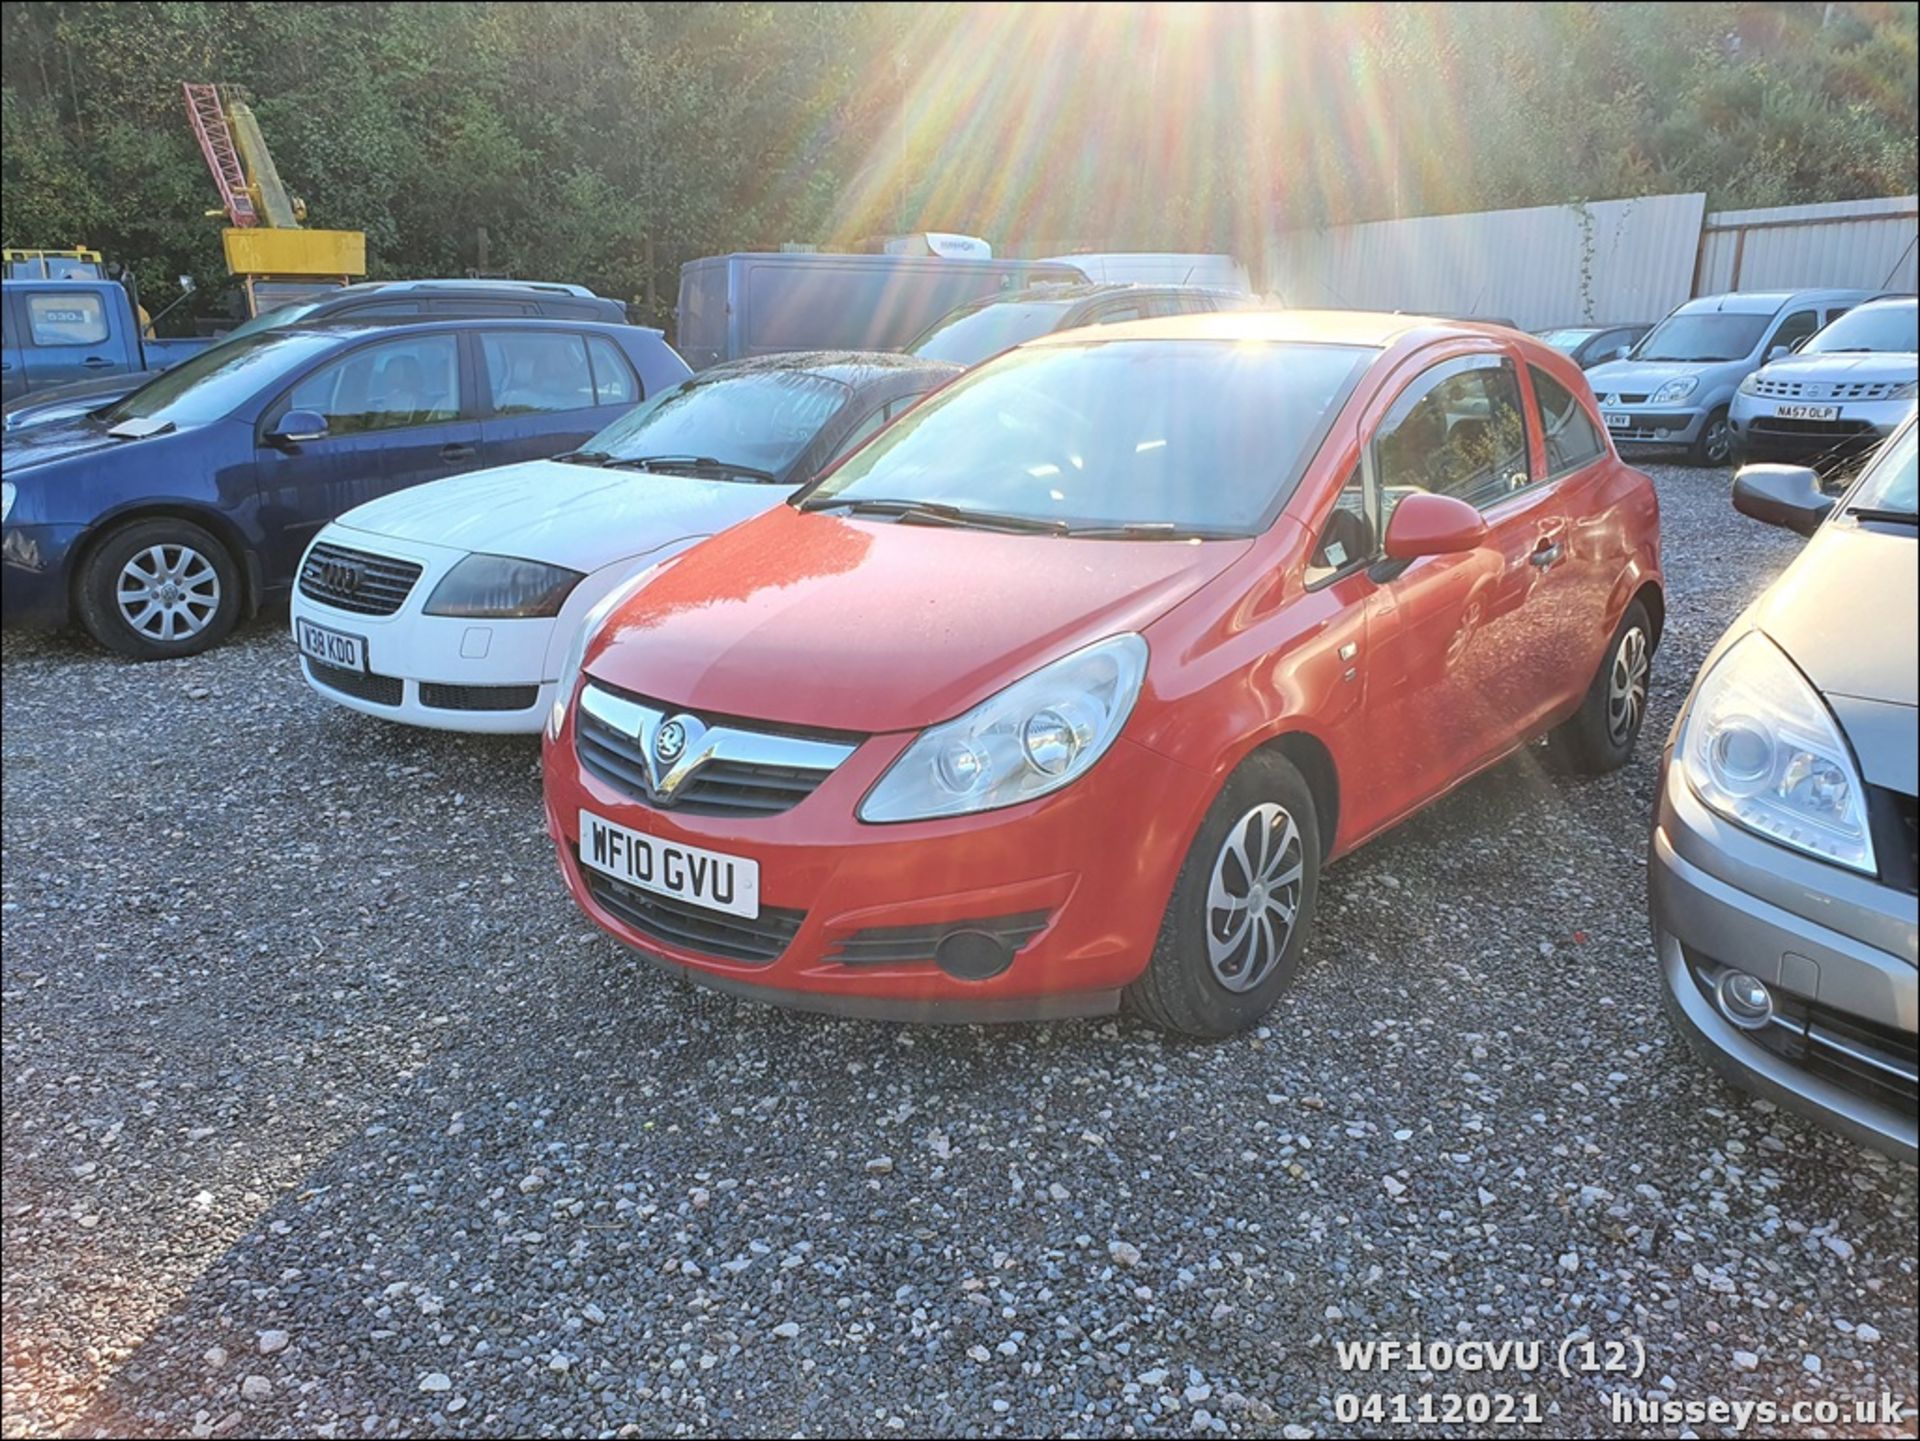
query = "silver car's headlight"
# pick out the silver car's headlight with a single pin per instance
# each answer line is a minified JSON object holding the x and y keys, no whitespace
{"x":1036,"y":736}
{"x":1751,"y":385}
{"x":1679,"y":388}
{"x":499,"y":587}
{"x":1908,"y":391}
{"x":7,"y":492}
{"x":1760,"y":747}
{"x":576,"y":656}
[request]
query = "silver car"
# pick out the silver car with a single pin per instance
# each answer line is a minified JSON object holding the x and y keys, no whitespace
{"x":1677,"y":386}
{"x":1842,"y":393}
{"x":1782,"y":872}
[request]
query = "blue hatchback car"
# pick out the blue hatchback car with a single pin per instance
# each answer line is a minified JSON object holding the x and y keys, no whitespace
{"x":161,"y":519}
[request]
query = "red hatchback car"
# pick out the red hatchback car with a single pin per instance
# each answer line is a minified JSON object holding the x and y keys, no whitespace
{"x":1063,"y":689}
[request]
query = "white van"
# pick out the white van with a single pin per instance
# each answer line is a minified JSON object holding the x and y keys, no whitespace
{"x":1162,"y":267}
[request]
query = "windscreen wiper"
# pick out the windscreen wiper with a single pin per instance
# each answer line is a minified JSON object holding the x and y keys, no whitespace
{"x":585,"y":457}
{"x":933,"y":512}
{"x":1881,"y":513}
{"x":1147,"y":530}
{"x":696,"y":463}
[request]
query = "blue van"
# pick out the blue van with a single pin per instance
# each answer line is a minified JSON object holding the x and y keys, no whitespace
{"x":769,"y":303}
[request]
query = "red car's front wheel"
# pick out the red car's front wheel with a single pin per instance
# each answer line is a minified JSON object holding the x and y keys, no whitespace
{"x":1241,"y":907}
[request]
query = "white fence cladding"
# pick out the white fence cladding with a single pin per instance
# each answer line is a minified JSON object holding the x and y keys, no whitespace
{"x":1864,"y":243}
{"x":1608,"y":260}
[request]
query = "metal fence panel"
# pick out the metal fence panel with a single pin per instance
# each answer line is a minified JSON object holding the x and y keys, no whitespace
{"x":1864,"y":243}
{"x":1606,"y":261}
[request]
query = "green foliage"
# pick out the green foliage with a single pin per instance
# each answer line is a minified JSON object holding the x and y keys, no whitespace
{"x":574,"y":135}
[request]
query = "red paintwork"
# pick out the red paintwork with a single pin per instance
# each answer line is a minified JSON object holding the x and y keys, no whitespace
{"x":1433,"y":525}
{"x":881,"y":628}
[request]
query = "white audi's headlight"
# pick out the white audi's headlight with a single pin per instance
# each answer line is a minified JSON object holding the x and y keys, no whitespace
{"x":576,"y":656}
{"x":502,"y":587}
{"x":1760,"y":747}
{"x":1036,"y":736}
{"x":1679,"y":388}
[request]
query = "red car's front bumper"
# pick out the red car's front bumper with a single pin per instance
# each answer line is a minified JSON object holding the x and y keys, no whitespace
{"x":1091,"y":866}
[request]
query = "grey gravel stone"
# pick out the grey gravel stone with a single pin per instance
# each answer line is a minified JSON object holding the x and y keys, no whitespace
{"x":337,"y":952}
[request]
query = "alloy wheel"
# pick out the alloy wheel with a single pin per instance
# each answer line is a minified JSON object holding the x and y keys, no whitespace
{"x":1253,"y":896}
{"x":1627,"y":686}
{"x":168,"y":592}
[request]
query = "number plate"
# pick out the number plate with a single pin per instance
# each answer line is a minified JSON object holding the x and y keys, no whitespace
{"x":331,"y":647}
{"x":730,"y":884}
{"x":1617,"y":421}
{"x":1807,"y":412}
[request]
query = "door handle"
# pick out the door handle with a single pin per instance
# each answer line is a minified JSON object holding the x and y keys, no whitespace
{"x":95,"y":362}
{"x":457,"y":451}
{"x":1548,"y":553}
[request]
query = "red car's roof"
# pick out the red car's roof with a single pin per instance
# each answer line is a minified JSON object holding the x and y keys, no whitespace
{"x":1373,"y":328}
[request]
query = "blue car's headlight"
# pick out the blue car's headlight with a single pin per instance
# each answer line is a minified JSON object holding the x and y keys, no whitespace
{"x":1677,"y":389}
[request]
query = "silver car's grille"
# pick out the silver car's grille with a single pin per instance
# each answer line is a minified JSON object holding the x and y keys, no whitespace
{"x":1825,"y":389}
{"x":673,"y":759}
{"x":357,"y":580}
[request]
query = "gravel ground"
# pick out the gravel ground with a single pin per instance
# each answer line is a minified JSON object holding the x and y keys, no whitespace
{"x":326,"y":1113}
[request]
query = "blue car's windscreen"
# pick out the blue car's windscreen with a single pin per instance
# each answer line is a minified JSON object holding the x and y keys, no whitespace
{"x":1198,"y":437}
{"x":212,"y":383}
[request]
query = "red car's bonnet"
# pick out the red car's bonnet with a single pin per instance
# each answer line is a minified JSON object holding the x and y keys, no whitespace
{"x":870,"y":626}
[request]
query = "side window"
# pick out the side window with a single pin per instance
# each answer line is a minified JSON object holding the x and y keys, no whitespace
{"x":534,"y":371}
{"x":1834,"y":312}
{"x":1114,"y":314}
{"x":1458,"y":430}
{"x":66,"y":319}
{"x":1571,"y":438}
{"x":1794,"y":329}
{"x":614,"y":382}
{"x":387,"y":386}
{"x":1348,"y":539}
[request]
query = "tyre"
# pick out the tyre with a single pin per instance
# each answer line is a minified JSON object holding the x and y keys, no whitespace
{"x":159,"y":588}
{"x":1241,"y":908}
{"x":1714,"y":445}
{"x":1599,"y":736}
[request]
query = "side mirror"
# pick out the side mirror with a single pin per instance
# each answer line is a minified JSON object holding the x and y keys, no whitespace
{"x":1623,"y":352}
{"x":297,"y":427}
{"x":1779,"y":350}
{"x":1426,"y":524}
{"x":1785,"y":495}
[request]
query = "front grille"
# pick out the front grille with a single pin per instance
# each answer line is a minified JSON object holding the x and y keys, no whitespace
{"x":1894,"y":819}
{"x":357,"y":580}
{"x":897,"y":945}
{"x":1621,"y":397}
{"x":477,"y":697}
{"x":1825,"y":389}
{"x":362,"y":685}
{"x":763,"y":782}
{"x":1877,"y":1062}
{"x":694,"y":928}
